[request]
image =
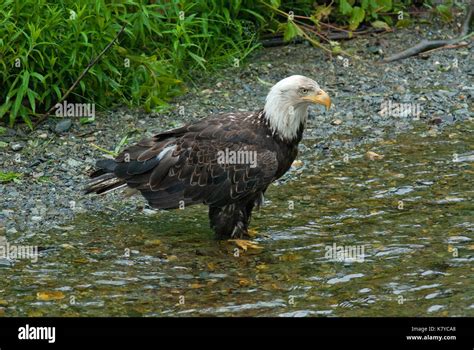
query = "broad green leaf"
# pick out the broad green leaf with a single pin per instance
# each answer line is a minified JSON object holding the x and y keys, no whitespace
{"x":291,"y":31}
{"x":384,"y":5}
{"x":275,"y":3}
{"x":344,"y":7}
{"x":380,"y":25}
{"x":358,"y":15}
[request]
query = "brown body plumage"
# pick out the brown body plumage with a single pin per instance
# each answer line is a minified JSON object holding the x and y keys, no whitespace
{"x":184,"y":166}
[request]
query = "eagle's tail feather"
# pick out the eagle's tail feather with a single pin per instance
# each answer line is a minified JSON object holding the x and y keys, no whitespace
{"x":103,"y":180}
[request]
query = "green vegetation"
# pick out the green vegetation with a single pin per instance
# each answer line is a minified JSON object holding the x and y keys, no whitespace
{"x":45,"y":45}
{"x":10,"y":176}
{"x":123,"y":142}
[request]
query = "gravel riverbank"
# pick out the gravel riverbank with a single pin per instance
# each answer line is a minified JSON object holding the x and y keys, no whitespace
{"x":55,"y":159}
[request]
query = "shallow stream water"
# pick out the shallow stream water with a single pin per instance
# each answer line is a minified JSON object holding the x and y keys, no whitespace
{"x":404,"y":221}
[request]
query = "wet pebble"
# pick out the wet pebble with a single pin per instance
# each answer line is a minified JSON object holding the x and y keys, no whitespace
{"x":346,"y":278}
{"x":63,"y":126}
{"x":457,"y":239}
{"x":16,"y":146}
{"x":435,"y":308}
{"x":4,"y":262}
{"x":433,"y":295}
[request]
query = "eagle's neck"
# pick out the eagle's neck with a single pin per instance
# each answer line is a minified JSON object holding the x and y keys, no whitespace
{"x":285,"y":120}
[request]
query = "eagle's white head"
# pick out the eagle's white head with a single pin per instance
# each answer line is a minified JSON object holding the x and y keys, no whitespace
{"x":286,"y":106}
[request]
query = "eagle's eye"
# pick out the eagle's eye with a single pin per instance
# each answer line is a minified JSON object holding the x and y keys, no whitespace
{"x":304,"y":91}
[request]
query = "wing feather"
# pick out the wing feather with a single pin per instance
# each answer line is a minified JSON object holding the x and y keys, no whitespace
{"x":181,"y":165}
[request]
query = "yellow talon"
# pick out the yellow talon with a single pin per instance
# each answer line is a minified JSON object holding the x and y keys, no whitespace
{"x":245,"y":244}
{"x":254,"y":233}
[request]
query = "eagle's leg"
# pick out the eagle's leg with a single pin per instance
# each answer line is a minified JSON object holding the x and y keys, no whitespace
{"x":232,"y":221}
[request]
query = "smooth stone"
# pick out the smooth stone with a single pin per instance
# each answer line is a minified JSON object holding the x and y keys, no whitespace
{"x":63,"y":126}
{"x":5,"y":262}
{"x":16,"y":146}
{"x":435,"y":308}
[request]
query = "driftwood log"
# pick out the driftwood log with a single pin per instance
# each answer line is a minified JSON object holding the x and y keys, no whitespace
{"x":429,"y":45}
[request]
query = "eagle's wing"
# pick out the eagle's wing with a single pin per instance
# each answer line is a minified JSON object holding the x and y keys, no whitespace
{"x":182,"y":166}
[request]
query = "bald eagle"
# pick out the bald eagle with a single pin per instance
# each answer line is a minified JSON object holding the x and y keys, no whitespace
{"x":226,"y":162}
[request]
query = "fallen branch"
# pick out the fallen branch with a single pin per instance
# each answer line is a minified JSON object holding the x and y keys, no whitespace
{"x":431,"y":45}
{"x":333,"y":35}
{"x":455,"y":46}
{"x":84,"y":72}
{"x":351,"y":35}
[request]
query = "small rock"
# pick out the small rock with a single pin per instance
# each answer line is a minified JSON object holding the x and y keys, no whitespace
{"x":247,"y":88}
{"x":73,"y":163}
{"x":63,"y":126}
{"x":11,"y":231}
{"x":448,"y":119}
{"x":7,"y":212}
{"x":153,"y":242}
{"x":376,"y":50}
{"x":5,"y":262}
{"x":435,"y":308}
{"x":37,"y":175}
{"x":373,"y":156}
{"x":16,"y":146}
{"x":297,"y":163}
{"x":432,"y":295}
{"x":336,"y":122}
{"x":147,"y":211}
{"x":36,"y":162}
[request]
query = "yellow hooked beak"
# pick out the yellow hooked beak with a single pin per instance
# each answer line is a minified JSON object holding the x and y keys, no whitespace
{"x":320,"y":97}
